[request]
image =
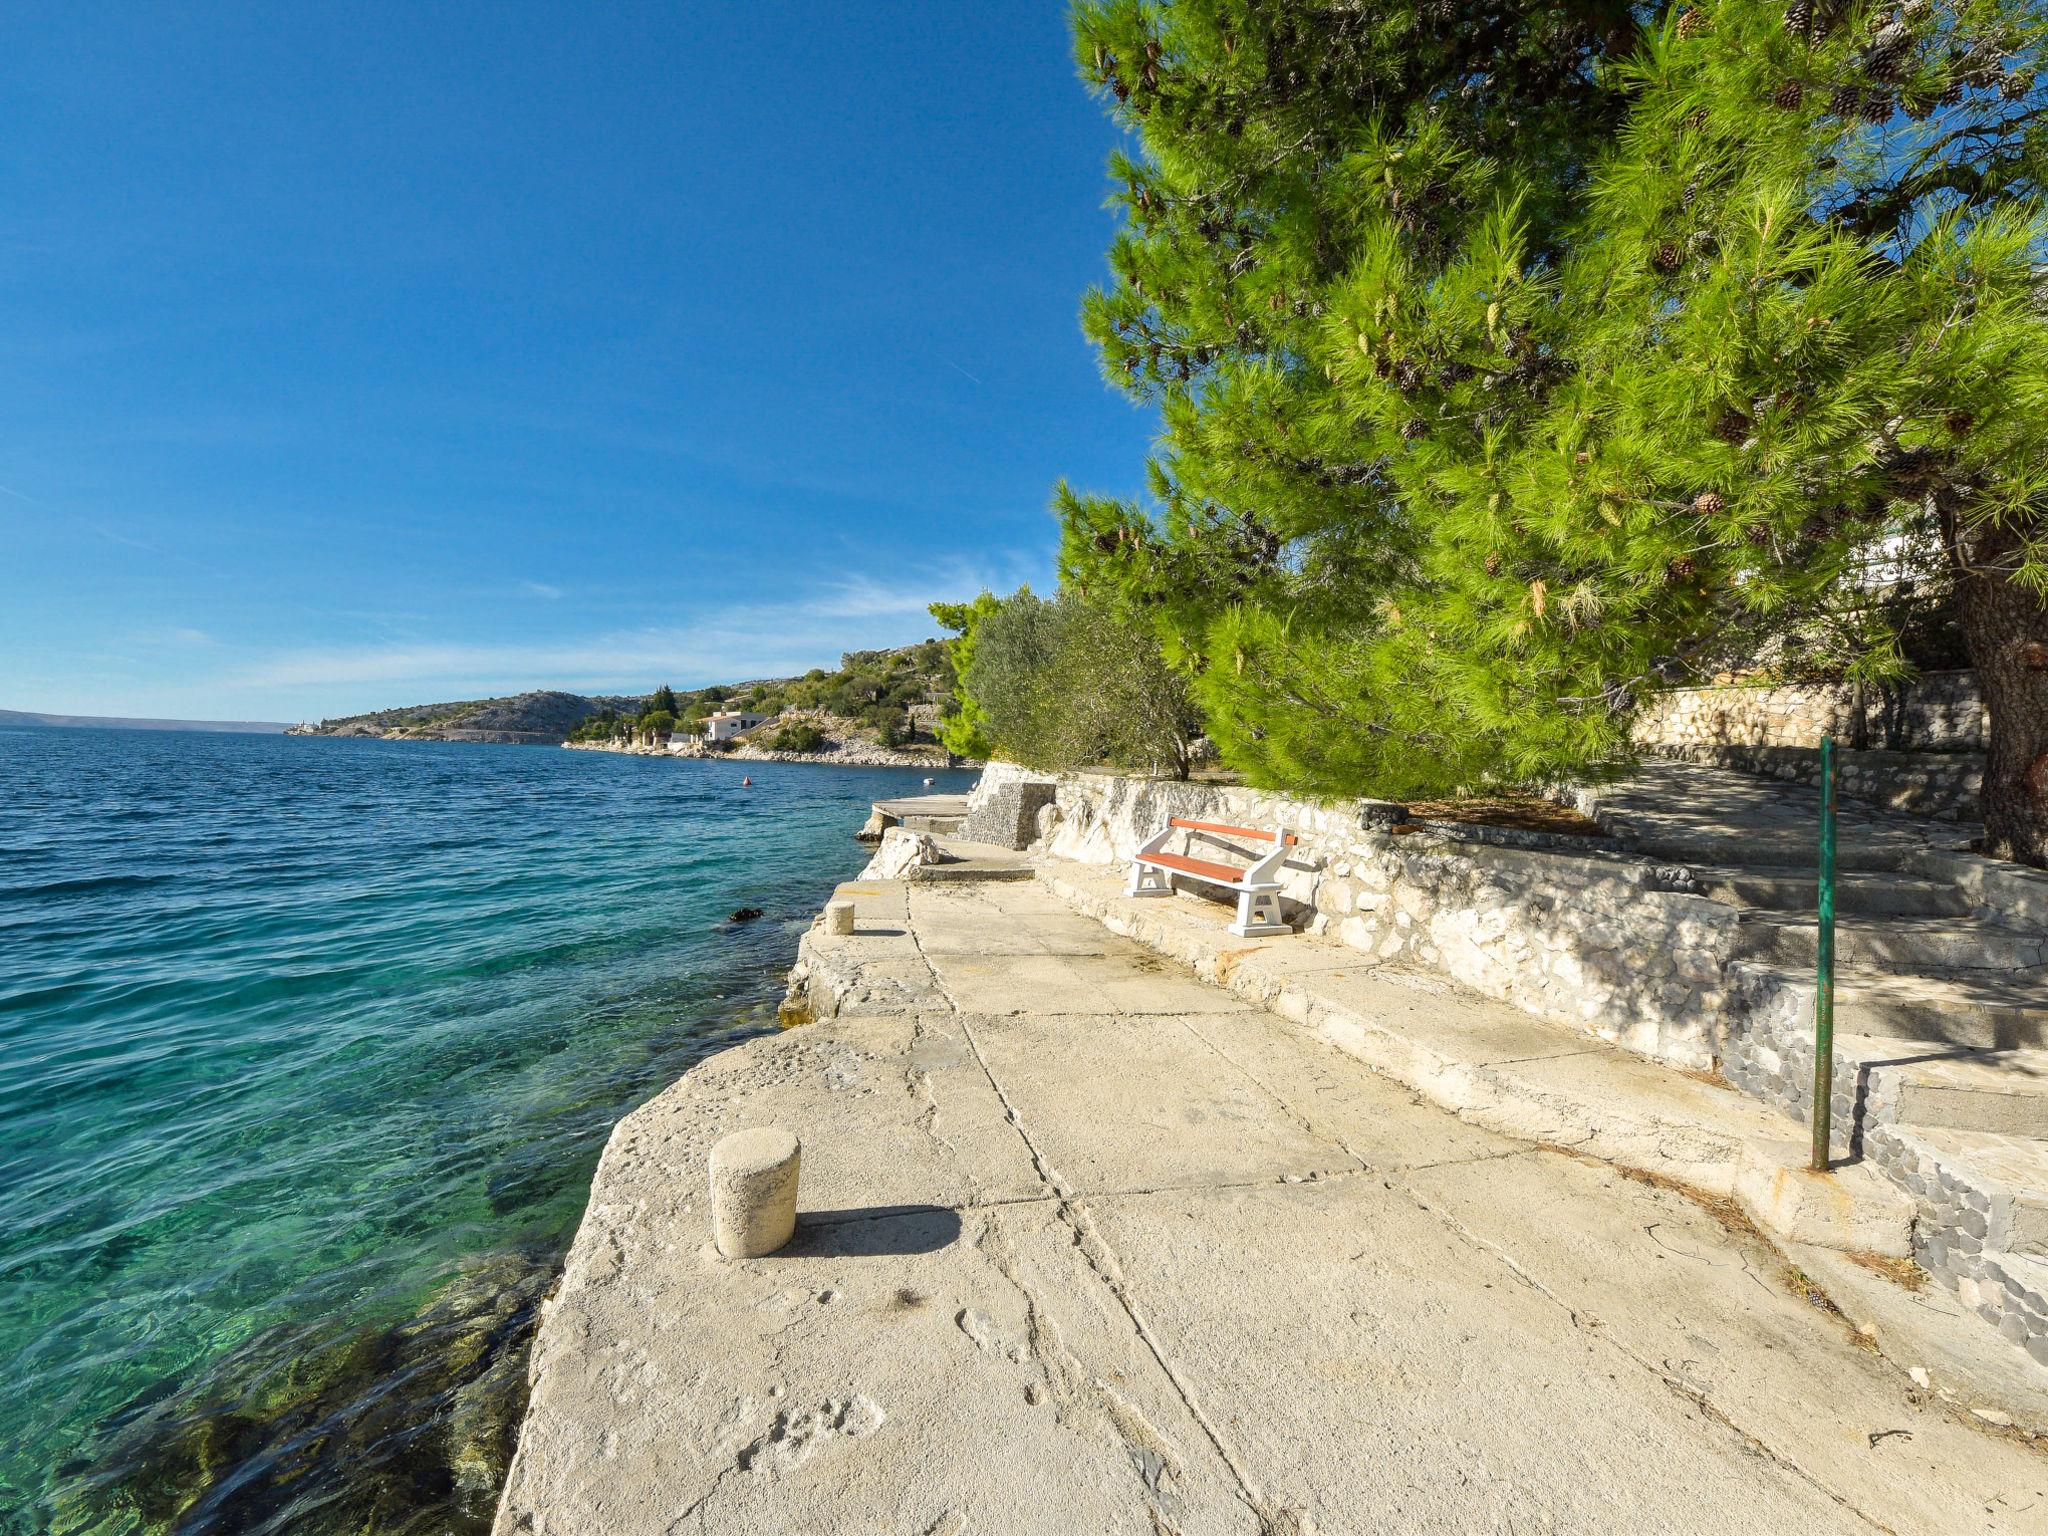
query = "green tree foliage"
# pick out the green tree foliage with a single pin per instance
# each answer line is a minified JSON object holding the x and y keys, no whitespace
{"x":605,"y":725}
{"x":661,"y":702}
{"x":1512,"y":357}
{"x":1075,"y":682}
{"x":659,"y":721}
{"x":797,"y":736}
{"x":963,"y":728}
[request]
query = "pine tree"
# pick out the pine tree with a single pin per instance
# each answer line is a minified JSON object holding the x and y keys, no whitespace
{"x":1513,"y":357}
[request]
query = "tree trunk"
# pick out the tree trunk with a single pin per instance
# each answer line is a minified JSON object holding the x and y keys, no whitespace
{"x":2006,"y":629}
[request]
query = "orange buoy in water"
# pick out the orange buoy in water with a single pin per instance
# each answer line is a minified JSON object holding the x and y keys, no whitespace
{"x":744,"y":781}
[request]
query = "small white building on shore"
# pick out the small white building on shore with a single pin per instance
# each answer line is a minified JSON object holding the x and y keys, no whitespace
{"x":728,"y":723}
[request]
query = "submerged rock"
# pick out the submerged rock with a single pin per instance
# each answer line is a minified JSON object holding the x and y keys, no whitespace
{"x":405,"y":1428}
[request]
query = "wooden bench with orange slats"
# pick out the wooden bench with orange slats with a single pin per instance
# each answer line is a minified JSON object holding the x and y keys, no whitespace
{"x":1153,"y":871}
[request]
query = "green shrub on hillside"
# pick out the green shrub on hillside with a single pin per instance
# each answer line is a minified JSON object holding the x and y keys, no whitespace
{"x":798,"y":736}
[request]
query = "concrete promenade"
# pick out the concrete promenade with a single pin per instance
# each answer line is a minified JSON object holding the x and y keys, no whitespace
{"x":1090,"y":1245}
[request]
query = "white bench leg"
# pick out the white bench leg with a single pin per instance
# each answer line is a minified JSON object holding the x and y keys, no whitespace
{"x":1258,"y":915}
{"x":1147,"y":881}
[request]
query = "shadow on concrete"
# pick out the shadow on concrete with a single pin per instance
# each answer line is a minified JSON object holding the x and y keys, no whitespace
{"x":871,"y":1231}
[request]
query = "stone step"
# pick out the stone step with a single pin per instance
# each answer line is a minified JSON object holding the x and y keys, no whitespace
{"x":1981,"y":1220}
{"x":2024,"y":1281}
{"x":2003,"y":1178}
{"x":1904,"y":1082}
{"x":1905,"y":945}
{"x":1864,"y":892}
{"x":2001,"y":1015}
{"x":1776,"y":851}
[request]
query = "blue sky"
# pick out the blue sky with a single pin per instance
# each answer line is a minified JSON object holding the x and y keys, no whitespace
{"x":369,"y":355}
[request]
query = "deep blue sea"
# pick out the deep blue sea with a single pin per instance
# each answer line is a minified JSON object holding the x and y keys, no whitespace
{"x":309,"y":1048}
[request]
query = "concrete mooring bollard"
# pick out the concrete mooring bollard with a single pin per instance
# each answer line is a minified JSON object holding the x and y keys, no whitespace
{"x":839,"y":917}
{"x":753,"y":1191}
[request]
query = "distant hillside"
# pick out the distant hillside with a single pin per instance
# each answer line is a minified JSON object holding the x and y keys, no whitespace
{"x":873,"y":694}
{"x":18,"y":718}
{"x":547,"y":714}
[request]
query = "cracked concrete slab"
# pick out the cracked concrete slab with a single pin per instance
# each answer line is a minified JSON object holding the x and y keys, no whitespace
{"x":1003,"y":919}
{"x":1380,"y":1124}
{"x":1052,"y":1275}
{"x":1404,"y":1371}
{"x":1074,"y":984}
{"x":1662,"y":1280}
{"x":1142,"y":1103}
{"x":948,"y":1377}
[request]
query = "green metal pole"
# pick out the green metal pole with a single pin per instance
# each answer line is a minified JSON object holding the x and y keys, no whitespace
{"x":1824,"y":991}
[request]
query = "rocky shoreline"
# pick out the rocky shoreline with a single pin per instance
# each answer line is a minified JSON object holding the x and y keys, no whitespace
{"x":846,"y":755}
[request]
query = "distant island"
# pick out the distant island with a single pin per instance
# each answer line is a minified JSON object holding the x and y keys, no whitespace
{"x":881,"y":702}
{"x":17,"y":719}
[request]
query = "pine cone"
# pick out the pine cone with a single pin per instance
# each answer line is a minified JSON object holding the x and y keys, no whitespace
{"x":1692,"y":24}
{"x":1412,"y":429}
{"x":1681,"y":568}
{"x":1877,"y":106}
{"x":1845,"y":102}
{"x":1959,"y":423}
{"x":1382,"y":368}
{"x":1708,"y":503}
{"x":2013,"y":87}
{"x":1733,"y":428}
{"x":1668,"y":258}
{"x":1758,"y":533}
{"x":1493,"y":563}
{"x":1886,"y":55}
{"x":1799,"y":16}
{"x":1406,"y":375}
{"x":1789,"y":96}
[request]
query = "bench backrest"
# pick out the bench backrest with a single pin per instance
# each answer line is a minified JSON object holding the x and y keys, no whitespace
{"x":1287,"y":838}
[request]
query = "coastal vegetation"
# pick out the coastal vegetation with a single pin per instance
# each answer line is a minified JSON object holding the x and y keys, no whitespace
{"x":876,"y":695}
{"x":798,"y":736}
{"x":1517,"y":360}
{"x":1071,"y":681}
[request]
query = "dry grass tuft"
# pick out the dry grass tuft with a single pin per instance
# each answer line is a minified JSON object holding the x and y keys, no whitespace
{"x":1903,"y":1273}
{"x":1508,"y":808}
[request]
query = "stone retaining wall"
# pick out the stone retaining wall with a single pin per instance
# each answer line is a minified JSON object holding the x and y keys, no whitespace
{"x":1959,"y":1221}
{"x":1945,"y":785}
{"x":1587,"y":939}
{"x":1936,"y":712}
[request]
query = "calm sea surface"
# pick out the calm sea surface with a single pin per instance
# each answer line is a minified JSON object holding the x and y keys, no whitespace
{"x":307,"y":1050}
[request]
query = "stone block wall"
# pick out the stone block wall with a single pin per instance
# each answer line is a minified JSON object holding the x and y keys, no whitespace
{"x":1945,"y":785}
{"x":1961,"y":1221}
{"x":1004,"y":810}
{"x":1593,"y":940}
{"x":1936,"y":712}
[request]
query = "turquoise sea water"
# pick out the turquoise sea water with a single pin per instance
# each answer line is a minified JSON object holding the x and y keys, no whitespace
{"x":309,"y":1049}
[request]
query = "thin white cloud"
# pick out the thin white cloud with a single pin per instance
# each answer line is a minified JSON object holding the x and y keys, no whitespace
{"x":721,"y":644}
{"x":540,"y":589}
